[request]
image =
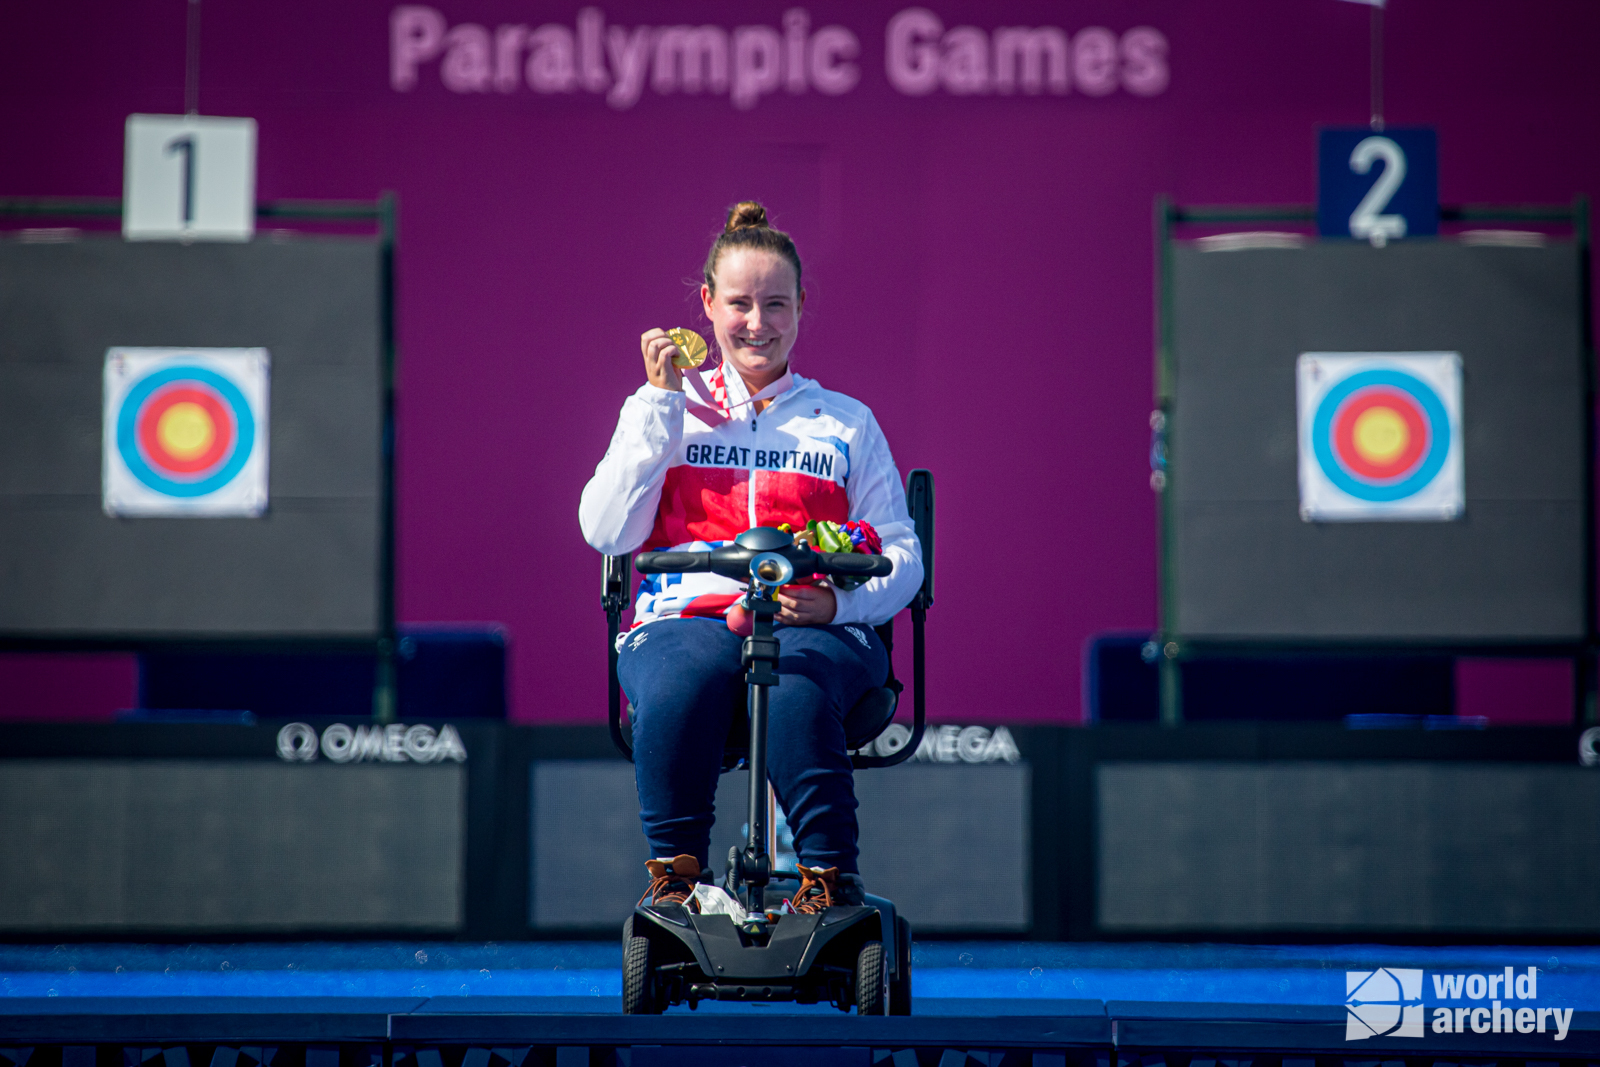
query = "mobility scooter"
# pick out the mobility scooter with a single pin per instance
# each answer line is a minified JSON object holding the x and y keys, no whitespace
{"x":853,"y":957}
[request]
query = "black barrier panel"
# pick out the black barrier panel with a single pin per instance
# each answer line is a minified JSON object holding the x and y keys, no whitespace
{"x":316,"y":828}
{"x":585,"y":818}
{"x":230,"y":845}
{"x":1303,"y":828}
{"x":950,"y":844}
{"x":335,"y":828}
{"x":308,"y":568}
{"x":1247,"y":566}
{"x":1340,"y":845}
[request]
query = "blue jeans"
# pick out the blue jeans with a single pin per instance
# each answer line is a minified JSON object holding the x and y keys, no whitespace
{"x":685,"y":682}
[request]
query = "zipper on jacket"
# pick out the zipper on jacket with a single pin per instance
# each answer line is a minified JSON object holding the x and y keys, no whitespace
{"x":752,"y":506}
{"x":753,"y":420}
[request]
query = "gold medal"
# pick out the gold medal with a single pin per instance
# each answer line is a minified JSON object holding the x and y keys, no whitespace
{"x":691,"y":348}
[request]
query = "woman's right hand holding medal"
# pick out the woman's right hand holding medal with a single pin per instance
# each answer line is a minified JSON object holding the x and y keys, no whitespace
{"x":666,"y":352}
{"x":658,"y":366}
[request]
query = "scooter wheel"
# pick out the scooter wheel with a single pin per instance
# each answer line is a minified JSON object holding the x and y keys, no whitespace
{"x":638,"y":979}
{"x":871,"y":993}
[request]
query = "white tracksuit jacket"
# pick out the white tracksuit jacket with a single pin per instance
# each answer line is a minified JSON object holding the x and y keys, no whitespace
{"x":692,"y":470}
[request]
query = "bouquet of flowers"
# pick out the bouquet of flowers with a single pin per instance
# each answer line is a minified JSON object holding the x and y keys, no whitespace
{"x":825,"y":536}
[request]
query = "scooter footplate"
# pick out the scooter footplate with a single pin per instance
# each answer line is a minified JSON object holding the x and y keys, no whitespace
{"x":778,"y":960}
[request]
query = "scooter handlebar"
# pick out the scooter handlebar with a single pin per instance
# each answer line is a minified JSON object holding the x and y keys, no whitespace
{"x":735,"y":562}
{"x":671,"y":562}
{"x":853,"y":564}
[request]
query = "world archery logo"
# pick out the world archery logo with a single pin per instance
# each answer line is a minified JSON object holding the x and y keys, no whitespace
{"x":1386,"y":1002}
{"x":185,"y":432}
{"x":1380,"y":436}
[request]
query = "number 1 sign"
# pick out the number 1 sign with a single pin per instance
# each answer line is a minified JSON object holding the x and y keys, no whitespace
{"x":189,"y":178}
{"x":1378,"y":187}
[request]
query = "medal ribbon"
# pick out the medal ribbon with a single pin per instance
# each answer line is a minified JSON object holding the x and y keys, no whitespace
{"x":716,"y":398}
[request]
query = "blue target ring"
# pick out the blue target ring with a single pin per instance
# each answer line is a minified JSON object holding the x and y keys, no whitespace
{"x":128,"y":423}
{"x":1381,"y":492}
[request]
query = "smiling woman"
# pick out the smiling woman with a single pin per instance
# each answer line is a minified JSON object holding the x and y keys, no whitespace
{"x":701,"y":454}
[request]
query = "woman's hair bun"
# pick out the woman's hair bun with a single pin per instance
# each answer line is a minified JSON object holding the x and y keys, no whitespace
{"x":748,"y":228}
{"x":746,"y":215}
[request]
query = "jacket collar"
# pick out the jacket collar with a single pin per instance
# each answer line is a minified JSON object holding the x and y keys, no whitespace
{"x":722,"y":394}
{"x":738,"y":393}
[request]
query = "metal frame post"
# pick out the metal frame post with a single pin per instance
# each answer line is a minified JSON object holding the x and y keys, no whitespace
{"x":1584,"y":674}
{"x":1169,"y":669}
{"x":386,"y":684}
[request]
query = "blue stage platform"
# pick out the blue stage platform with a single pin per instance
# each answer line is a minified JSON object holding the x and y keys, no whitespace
{"x":518,"y":1005}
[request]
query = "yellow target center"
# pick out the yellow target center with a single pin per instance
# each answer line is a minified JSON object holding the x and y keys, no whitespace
{"x":1380,"y":434}
{"x":185,"y":430}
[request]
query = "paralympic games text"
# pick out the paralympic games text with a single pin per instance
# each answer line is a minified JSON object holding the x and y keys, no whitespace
{"x":921,"y":56}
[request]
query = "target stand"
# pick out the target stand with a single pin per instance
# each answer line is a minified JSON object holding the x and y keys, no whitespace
{"x":196,"y":441}
{"x":1374,"y":450}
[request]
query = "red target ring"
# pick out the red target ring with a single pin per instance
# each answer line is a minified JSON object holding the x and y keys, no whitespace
{"x":1380,"y":434}
{"x":185,"y":430}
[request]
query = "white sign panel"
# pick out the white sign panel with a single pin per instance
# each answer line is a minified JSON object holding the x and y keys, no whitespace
{"x":1380,"y":436}
{"x":185,"y":431}
{"x":189,"y":178}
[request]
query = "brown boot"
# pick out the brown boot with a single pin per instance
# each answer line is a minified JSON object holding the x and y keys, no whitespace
{"x":673,"y":881}
{"x":825,"y":888}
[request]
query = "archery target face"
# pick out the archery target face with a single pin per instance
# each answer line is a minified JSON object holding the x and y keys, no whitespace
{"x":185,"y":431}
{"x":1380,"y":436}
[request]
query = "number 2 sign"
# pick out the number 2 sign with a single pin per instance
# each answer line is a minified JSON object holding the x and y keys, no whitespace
{"x":1378,"y":187}
{"x":189,"y":178}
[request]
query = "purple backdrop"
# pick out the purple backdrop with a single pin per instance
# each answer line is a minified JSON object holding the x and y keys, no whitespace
{"x":979,"y":263}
